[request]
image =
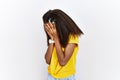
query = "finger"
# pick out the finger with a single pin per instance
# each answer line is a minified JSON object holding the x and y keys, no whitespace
{"x":49,"y":29}
{"x":53,"y":28}
{"x":46,"y":27}
{"x":54,"y":25}
{"x":48,"y":33}
{"x":51,"y":25}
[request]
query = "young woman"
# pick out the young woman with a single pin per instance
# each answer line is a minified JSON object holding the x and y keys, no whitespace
{"x":62,"y":39}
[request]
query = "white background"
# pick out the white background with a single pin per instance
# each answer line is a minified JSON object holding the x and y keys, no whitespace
{"x":23,"y":40}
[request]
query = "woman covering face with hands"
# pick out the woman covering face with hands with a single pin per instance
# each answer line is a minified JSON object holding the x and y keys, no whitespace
{"x":62,"y":39}
{"x":51,"y":30}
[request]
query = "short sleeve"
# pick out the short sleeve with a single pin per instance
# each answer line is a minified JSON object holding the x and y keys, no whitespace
{"x":73,"y":39}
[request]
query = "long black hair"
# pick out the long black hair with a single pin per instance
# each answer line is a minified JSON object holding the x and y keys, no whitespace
{"x":64,"y":25}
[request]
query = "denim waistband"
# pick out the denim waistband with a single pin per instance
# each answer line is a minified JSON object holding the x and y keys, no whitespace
{"x":72,"y":77}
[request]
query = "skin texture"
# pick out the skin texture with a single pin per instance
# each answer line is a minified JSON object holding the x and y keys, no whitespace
{"x":63,"y":57}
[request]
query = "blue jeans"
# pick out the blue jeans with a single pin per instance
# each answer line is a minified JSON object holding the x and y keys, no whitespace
{"x":68,"y":78}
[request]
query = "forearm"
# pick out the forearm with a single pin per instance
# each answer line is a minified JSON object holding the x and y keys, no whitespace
{"x":60,"y":53}
{"x":49,"y":53}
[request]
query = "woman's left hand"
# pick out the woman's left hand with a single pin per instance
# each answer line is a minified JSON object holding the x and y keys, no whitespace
{"x":51,"y":30}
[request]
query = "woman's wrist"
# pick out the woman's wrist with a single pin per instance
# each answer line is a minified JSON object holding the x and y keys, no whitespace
{"x":56,"y":39}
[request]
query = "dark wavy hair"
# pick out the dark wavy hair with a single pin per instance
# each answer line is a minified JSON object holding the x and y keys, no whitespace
{"x":64,"y":25}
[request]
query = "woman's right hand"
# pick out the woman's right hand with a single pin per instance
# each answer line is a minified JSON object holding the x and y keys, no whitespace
{"x":48,"y":30}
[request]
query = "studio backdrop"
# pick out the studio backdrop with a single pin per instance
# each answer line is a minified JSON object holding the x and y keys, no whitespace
{"x":23,"y":40}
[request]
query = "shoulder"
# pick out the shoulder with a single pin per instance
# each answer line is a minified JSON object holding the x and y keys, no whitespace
{"x":73,"y":39}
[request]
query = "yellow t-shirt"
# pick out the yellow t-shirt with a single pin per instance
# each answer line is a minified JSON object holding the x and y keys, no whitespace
{"x":69,"y":69}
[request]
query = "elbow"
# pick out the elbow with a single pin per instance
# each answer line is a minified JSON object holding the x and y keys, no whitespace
{"x":47,"y":61}
{"x":62,"y":63}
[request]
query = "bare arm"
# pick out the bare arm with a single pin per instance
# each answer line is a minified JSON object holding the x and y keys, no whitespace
{"x":49,"y":53}
{"x":63,"y":57}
